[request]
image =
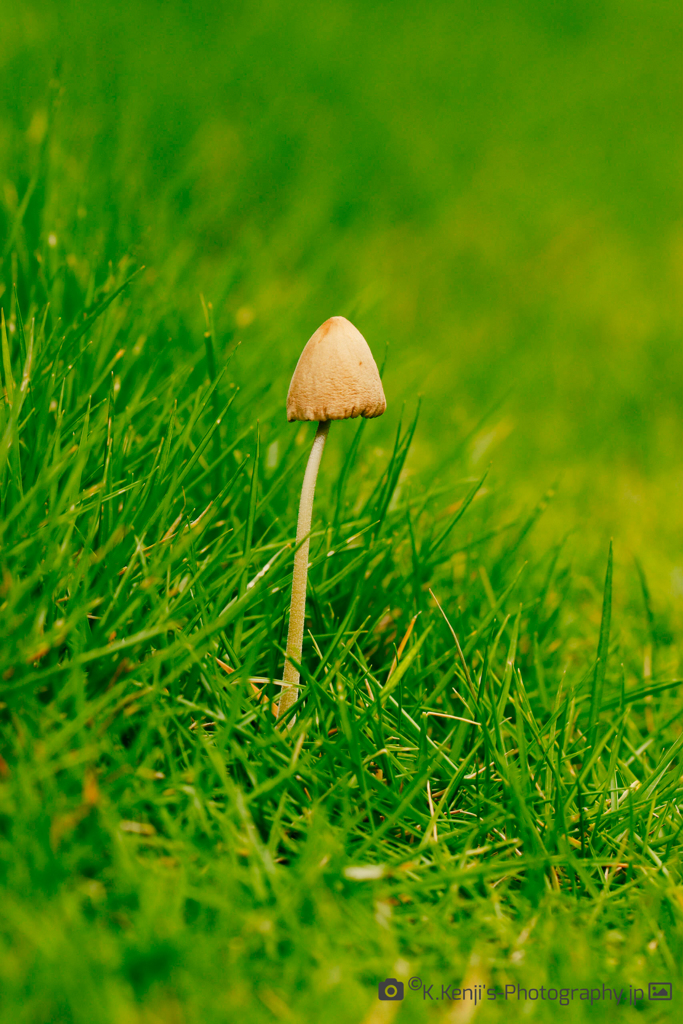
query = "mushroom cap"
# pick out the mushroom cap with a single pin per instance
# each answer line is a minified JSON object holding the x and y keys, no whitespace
{"x":336,"y":377}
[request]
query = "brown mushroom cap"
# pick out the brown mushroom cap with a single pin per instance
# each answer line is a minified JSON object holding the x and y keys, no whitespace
{"x":336,"y":377}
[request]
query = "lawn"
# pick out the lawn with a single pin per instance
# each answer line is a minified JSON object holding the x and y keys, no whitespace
{"x":481,"y":786}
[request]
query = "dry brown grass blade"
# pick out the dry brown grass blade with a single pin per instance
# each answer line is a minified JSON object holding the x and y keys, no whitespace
{"x":402,"y":645}
{"x":256,"y":683}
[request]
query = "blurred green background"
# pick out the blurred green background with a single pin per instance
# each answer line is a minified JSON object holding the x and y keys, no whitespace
{"x":493,"y":188}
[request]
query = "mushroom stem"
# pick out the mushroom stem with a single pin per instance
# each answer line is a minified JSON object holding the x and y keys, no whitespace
{"x":297,"y":606}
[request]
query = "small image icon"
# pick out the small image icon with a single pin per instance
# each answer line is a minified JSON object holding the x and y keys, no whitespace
{"x":391,"y":990}
{"x":659,"y":990}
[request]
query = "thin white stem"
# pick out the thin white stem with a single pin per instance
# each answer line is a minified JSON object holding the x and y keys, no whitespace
{"x":297,"y":607}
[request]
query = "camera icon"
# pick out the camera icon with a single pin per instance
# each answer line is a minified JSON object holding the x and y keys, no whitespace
{"x":390,"y":990}
{"x":659,"y":990}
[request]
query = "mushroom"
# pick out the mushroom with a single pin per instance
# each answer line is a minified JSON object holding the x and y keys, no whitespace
{"x":336,"y":378}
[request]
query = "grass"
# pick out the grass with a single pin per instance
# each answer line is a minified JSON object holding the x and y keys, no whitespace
{"x":483,"y":782}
